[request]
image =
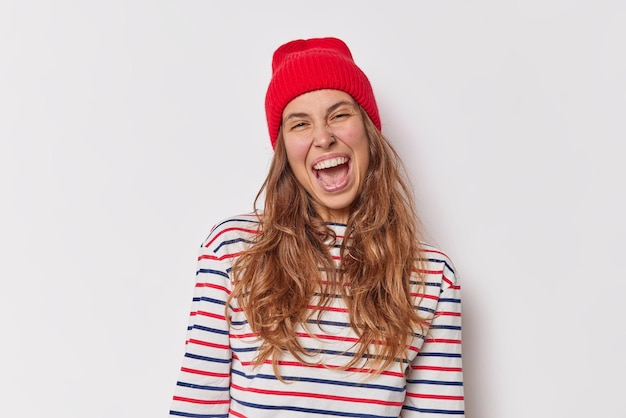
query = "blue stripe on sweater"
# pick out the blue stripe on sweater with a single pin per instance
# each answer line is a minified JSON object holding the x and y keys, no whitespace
{"x":435,"y":382}
{"x":205,"y":299}
{"x":209,"y":359}
{"x":451,"y":327}
{"x":202,"y":387}
{"x":212,"y":330}
{"x":252,"y":221}
{"x":434,"y":411}
{"x":231,"y":241}
{"x":448,"y":355}
{"x":452,"y":300}
{"x":189,"y":415}
{"x":211,"y":271}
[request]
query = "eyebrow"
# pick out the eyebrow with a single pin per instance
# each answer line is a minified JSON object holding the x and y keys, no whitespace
{"x":329,"y":110}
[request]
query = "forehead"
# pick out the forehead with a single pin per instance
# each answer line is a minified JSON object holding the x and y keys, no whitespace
{"x":318,"y":100}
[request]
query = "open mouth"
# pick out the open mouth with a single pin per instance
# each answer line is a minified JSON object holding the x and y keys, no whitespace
{"x":332,"y":174}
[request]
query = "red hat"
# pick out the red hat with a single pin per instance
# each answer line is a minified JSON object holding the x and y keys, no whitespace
{"x":306,"y":65}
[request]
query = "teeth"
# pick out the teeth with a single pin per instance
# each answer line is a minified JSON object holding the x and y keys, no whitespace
{"x":333,"y":162}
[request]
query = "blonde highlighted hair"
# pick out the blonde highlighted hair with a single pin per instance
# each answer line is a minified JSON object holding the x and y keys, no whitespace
{"x":290,"y":262}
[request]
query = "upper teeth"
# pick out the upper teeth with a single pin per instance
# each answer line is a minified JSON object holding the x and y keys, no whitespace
{"x":333,"y":162}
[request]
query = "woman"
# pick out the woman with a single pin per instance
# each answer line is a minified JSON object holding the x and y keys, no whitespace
{"x":326,"y":303}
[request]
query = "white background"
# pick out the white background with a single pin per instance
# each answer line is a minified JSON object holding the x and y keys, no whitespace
{"x":128,"y":128}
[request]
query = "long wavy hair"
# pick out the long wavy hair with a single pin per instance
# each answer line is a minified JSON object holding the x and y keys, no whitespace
{"x":379,"y":275}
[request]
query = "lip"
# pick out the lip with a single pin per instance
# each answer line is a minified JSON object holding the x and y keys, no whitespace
{"x":330,"y":157}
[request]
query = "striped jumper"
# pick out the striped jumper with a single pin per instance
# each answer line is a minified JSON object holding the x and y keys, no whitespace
{"x":218,"y":377}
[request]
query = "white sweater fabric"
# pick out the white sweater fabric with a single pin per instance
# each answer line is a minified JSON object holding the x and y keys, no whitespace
{"x":218,"y":377}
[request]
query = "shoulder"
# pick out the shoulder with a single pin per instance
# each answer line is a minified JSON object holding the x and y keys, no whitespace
{"x":437,"y":263}
{"x":239,"y":229}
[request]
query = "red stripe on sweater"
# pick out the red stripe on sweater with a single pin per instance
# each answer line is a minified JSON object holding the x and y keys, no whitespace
{"x":202,"y":401}
{"x":437,"y":272}
{"x":235,"y":414}
{"x":323,"y":366}
{"x":316,"y":396}
{"x":208,"y":344}
{"x":209,"y":314}
{"x":328,"y":308}
{"x":204,"y":373}
{"x":327,"y":337}
{"x":213,"y":286}
{"x":438,"y":368}
{"x":215,"y":258}
{"x":425,"y":296}
{"x":451,"y":283}
{"x":439,"y":397}
{"x":447,"y":313}
{"x":433,"y":251}
{"x":442,"y":341}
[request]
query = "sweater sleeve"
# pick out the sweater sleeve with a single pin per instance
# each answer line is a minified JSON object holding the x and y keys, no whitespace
{"x":203,"y":385}
{"x":435,"y":381}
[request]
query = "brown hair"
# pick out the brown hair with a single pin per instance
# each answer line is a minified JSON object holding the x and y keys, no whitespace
{"x":289,"y":262}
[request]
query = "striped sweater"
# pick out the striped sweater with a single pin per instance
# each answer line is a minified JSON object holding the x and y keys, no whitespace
{"x":218,"y":379}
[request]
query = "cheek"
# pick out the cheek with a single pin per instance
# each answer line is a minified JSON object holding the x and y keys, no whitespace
{"x":354,"y":135}
{"x":358,"y":142}
{"x":296,"y":153}
{"x":363,"y":162}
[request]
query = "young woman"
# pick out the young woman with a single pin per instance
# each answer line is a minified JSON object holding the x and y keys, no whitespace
{"x":327,"y":302}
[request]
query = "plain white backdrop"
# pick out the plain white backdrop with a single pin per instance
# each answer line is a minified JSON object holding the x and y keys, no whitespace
{"x":128,"y":128}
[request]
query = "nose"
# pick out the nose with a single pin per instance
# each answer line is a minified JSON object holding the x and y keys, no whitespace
{"x":323,"y":137}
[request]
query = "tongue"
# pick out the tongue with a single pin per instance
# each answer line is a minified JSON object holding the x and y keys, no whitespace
{"x":330,"y":178}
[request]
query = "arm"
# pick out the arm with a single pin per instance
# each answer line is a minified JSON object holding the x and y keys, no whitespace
{"x":435,"y":382}
{"x":203,"y":385}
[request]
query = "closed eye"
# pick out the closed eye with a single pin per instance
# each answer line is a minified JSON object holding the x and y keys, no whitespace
{"x":341,"y":116}
{"x":341,"y":110}
{"x":297,"y":125}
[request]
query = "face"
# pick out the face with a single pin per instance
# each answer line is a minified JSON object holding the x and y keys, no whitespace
{"x":327,"y":148}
